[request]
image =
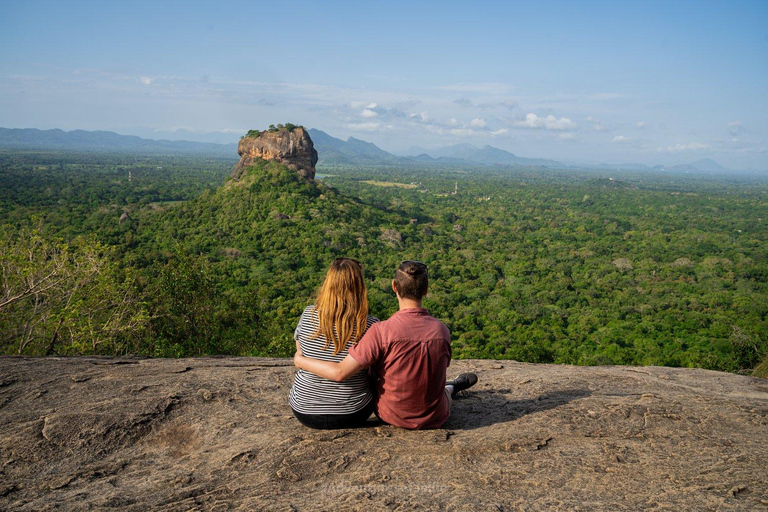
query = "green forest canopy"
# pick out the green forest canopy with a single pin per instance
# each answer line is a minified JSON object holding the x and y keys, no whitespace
{"x":528,"y":264}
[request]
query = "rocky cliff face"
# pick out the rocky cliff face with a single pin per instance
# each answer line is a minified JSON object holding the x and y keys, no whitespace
{"x":293,"y":148}
{"x":218,"y":434}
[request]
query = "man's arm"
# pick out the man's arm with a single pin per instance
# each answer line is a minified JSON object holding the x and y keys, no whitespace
{"x":337,"y":372}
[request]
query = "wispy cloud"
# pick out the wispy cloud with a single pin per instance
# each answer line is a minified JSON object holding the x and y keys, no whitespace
{"x":548,"y":123}
{"x":500,"y":105}
{"x":364,"y":127}
{"x":470,"y":112}
{"x":678,"y":148}
{"x":596,"y":124}
{"x":735,"y":128}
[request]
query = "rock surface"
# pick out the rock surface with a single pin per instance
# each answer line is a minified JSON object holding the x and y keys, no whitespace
{"x":294,"y":149}
{"x":217,"y":434}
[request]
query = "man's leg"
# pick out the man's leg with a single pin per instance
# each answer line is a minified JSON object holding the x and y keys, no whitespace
{"x":449,"y":394}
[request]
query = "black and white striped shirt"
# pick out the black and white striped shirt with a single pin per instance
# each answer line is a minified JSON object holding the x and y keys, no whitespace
{"x":311,"y":394}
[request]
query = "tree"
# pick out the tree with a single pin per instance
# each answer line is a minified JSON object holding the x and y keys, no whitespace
{"x":58,"y":298}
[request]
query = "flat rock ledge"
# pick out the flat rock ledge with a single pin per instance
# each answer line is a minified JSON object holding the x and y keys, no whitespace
{"x":217,"y":434}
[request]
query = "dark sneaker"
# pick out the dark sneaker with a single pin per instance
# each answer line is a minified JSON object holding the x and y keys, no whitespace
{"x":462,"y":382}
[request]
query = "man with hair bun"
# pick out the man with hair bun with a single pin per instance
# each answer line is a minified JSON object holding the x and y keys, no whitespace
{"x":408,"y":354}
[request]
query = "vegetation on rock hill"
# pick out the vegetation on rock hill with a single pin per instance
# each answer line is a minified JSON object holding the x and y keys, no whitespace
{"x":272,"y":128}
{"x":525,"y":264}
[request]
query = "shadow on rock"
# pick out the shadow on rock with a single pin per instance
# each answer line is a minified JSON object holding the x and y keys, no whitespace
{"x":484,"y":408}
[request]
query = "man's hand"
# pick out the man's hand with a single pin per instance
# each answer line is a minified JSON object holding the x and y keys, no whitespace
{"x":332,"y":371}
{"x":298,"y":355}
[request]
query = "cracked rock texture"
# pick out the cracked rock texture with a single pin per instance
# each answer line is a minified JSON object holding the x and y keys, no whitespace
{"x":293,"y":149}
{"x":217,"y":434}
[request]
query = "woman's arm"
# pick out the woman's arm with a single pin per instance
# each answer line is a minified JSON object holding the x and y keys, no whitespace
{"x":337,"y":372}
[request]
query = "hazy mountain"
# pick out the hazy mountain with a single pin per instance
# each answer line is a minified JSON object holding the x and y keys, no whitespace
{"x":709,"y":165}
{"x":414,"y":151}
{"x":683,"y":168}
{"x":362,"y":147}
{"x":81,"y":140}
{"x":423,"y":158}
{"x":626,"y":166}
{"x":331,"y":150}
{"x":455,"y":151}
{"x":322,"y":140}
{"x":351,"y":151}
{"x":705,"y":165}
{"x":188,"y":135}
{"x":488,"y":155}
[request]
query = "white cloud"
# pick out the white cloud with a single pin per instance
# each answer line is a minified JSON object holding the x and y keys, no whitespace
{"x":677,"y":148}
{"x":364,"y":127}
{"x":735,"y":128}
{"x":146,"y":80}
{"x":369,"y":113}
{"x":596,"y":123}
{"x":371,"y":105}
{"x":501,"y":131}
{"x":423,"y":116}
{"x":507,"y":104}
{"x":356,"y":104}
{"x":549,"y":123}
{"x":620,"y":138}
{"x":478,"y":123}
{"x":452,"y":121}
{"x":567,"y":136}
{"x":640,"y":124}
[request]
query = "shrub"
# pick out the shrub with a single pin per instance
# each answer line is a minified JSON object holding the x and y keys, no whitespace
{"x":761,"y":370}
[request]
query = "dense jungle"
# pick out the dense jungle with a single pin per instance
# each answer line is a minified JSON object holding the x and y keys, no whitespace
{"x":164,"y":256}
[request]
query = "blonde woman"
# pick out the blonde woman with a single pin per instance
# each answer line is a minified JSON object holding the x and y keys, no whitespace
{"x":326,"y":331}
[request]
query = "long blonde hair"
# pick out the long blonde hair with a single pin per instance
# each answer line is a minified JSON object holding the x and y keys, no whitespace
{"x":342,"y":304}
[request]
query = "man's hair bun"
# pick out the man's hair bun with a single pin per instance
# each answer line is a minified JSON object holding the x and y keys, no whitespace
{"x":411,"y":279}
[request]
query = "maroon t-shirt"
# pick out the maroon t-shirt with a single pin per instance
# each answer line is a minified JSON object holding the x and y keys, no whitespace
{"x":409,"y":353}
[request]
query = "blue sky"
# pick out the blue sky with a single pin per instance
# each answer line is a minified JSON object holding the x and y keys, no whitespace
{"x":649,"y":82}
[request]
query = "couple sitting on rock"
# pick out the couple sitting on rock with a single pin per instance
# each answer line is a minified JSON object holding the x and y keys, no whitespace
{"x":406,"y":356}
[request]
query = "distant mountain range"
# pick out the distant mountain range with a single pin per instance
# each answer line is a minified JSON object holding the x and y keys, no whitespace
{"x":338,"y":151}
{"x":705,"y":165}
{"x":488,"y":155}
{"x":332,"y":151}
{"x":80,"y":140}
{"x":351,"y":151}
{"x":354,"y":151}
